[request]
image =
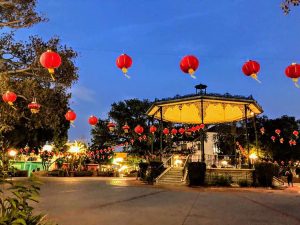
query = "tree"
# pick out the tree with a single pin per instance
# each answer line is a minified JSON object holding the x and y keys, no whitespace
{"x":132,"y":112}
{"x":101,"y":137}
{"x":286,"y":5}
{"x":278,"y":150}
{"x":21,"y":72}
{"x":18,"y":13}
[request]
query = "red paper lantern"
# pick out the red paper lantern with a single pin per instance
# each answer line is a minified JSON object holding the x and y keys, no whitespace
{"x":202,"y":126}
{"x":124,"y":62}
{"x":93,"y":120}
{"x":296,"y":133}
{"x":291,"y":142}
{"x":34,"y":106}
{"x":174,"y":131}
{"x":189,"y":64}
{"x":188,"y":131}
{"x":281,"y":140}
{"x":70,"y":116}
{"x":126,"y":128}
{"x":140,"y":139}
{"x":181,"y":130}
{"x":50,"y":60}
{"x":132,"y":141}
{"x":9,"y":97}
{"x":273,"y":138}
{"x":251,"y":68}
{"x":111,"y":126}
{"x":144,"y":137}
{"x":293,"y":72}
{"x":139,"y":129}
{"x":194,"y":129}
{"x":166,"y":131}
{"x":152,"y":129}
{"x":262,"y":130}
{"x":277,"y":131}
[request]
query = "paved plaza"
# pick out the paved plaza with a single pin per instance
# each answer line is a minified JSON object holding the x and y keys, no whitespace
{"x":112,"y":201}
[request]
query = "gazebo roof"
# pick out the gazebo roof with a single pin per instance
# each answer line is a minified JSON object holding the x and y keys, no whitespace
{"x":216,"y":108}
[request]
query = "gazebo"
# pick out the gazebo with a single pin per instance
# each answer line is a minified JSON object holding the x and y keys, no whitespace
{"x":204,"y":108}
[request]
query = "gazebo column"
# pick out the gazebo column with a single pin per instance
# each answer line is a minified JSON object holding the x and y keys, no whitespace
{"x":161,"y":130}
{"x":202,"y":133}
{"x":247,"y":136}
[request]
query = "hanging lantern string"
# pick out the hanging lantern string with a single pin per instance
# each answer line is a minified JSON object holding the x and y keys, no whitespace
{"x":179,"y":55}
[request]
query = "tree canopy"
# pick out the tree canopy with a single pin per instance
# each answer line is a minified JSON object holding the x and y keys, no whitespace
{"x":21,"y":72}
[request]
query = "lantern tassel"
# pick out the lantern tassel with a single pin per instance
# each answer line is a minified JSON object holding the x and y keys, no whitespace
{"x":254,"y":76}
{"x":11,"y":104}
{"x":295,"y":82}
{"x":126,"y":75}
{"x":52,"y":76}
{"x":193,"y":76}
{"x":72,"y":123}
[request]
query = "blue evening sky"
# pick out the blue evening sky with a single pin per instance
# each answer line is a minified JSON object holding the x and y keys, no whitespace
{"x":157,"y":33}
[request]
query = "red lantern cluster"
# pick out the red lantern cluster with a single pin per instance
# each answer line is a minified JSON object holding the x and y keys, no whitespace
{"x":189,"y":64}
{"x":50,"y":60}
{"x":293,"y":72}
{"x":9,"y":97}
{"x":251,"y":68}
{"x":70,"y":116}
{"x":124,"y":62}
{"x":139,"y":129}
{"x":93,"y":120}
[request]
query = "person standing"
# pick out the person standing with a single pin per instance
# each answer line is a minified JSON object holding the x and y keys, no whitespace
{"x":289,"y":176}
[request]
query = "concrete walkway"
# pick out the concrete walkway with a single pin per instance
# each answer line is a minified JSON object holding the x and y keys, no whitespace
{"x":109,"y":201}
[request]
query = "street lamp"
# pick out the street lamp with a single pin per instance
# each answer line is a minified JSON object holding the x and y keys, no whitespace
{"x":253,"y":157}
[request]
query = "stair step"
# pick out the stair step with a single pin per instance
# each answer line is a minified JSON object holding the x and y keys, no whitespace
{"x":173,"y":176}
{"x":170,"y":179}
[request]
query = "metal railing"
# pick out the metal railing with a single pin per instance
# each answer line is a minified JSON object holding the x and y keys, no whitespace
{"x":185,"y":169}
{"x":168,"y":164}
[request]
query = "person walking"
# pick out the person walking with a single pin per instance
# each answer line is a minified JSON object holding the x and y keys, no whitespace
{"x":289,"y":176}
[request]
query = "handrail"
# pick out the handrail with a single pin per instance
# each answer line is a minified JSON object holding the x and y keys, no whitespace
{"x":278,"y":180}
{"x":163,"y":173}
{"x":187,"y":158}
{"x":170,"y":158}
{"x":185,"y":173}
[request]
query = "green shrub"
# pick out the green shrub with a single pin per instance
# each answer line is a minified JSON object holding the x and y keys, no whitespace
{"x":244,"y":183}
{"x":221,"y":180}
{"x":297,"y":170}
{"x":105,"y":174}
{"x":196,"y":173}
{"x":264,"y":173}
{"x":143,"y":170}
{"x":57,"y":173}
{"x":83,"y":173}
{"x":20,"y":173}
{"x":16,"y":207}
{"x":156,"y":168}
